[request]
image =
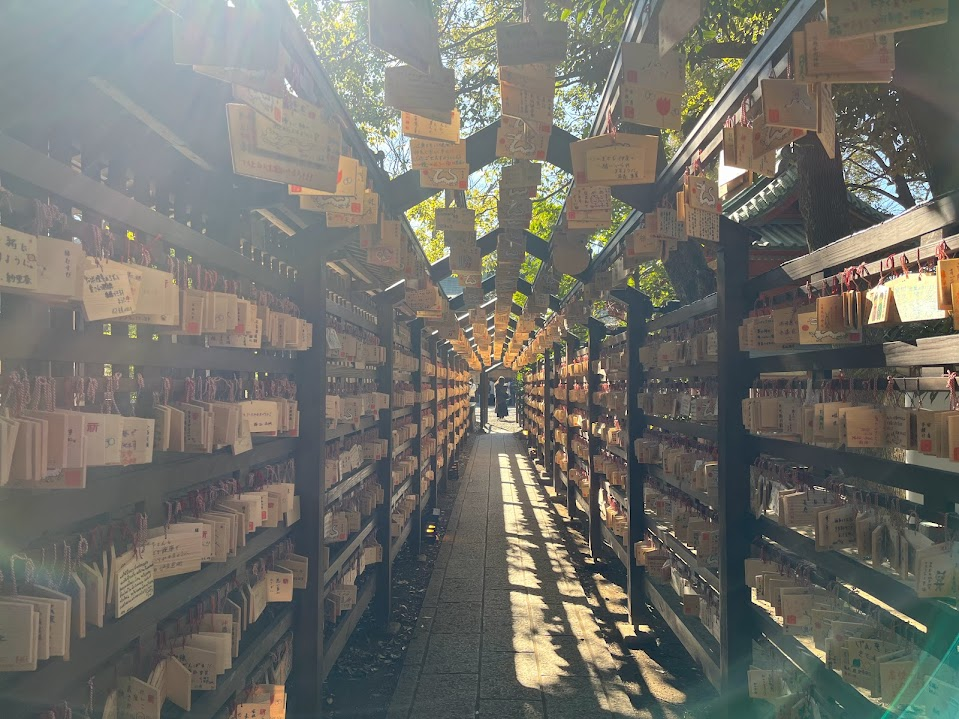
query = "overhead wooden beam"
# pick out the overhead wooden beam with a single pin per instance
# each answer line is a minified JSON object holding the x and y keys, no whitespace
{"x":775,"y":42}
{"x":404,"y":191}
{"x":144,"y":116}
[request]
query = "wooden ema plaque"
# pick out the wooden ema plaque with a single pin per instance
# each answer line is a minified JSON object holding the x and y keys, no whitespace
{"x":406,"y":30}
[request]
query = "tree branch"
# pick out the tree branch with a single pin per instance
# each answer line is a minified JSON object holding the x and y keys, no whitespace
{"x":564,"y":186}
{"x":877,"y":190}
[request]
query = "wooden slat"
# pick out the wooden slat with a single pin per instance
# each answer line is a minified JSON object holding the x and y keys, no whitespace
{"x":703,"y":369}
{"x":397,"y":544}
{"x":346,"y":551}
{"x":209,"y":704}
{"x":889,"y":589}
{"x":938,"y":487}
{"x":56,"y":345}
{"x":690,"y":429}
{"x":345,"y":485}
{"x":55,"y":677}
{"x":38,"y":169}
{"x":684,"y":553}
{"x":825,"y":682}
{"x":694,"y":310}
{"x":28,"y":514}
{"x":700,"y":644}
{"x":930,"y":351}
{"x":344,"y":630}
{"x":910,"y":225}
{"x":614,"y":544}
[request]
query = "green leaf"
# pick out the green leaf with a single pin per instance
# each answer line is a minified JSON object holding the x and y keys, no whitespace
{"x":566,"y":13}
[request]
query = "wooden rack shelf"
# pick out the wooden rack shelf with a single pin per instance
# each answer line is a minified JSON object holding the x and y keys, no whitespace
{"x":162,"y":177}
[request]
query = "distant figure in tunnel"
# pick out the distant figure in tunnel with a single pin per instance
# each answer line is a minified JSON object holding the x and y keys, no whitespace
{"x":502,"y":385}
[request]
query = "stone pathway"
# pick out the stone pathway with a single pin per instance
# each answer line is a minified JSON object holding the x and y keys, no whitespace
{"x":506,"y":631}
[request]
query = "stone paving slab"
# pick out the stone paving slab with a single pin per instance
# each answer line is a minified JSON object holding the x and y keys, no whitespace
{"x":506,"y":630}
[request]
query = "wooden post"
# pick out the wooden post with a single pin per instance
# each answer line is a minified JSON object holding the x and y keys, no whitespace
{"x":597,"y":332}
{"x":547,"y":448}
{"x":736,"y":526}
{"x":572,"y":344}
{"x":484,"y":400}
{"x":311,"y":487}
{"x":416,"y":348}
{"x":385,"y":317}
{"x":638,"y":310}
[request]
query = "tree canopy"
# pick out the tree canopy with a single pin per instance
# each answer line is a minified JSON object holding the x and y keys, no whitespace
{"x":881,"y":163}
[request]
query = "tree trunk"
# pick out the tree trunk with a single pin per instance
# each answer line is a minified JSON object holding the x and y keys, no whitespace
{"x":823,"y":201}
{"x":688,"y":272}
{"x":926,"y":62}
{"x":904,"y":192}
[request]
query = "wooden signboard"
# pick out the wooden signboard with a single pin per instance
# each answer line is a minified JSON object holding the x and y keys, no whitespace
{"x":645,"y":106}
{"x":619,"y":165}
{"x":369,"y":216}
{"x":350,"y":181}
{"x":422,"y":300}
{"x":768,"y":138}
{"x":385,"y":247}
{"x":676,"y":19}
{"x":518,"y":140}
{"x":702,"y":224}
{"x":406,"y":30}
{"x":648,"y":143}
{"x":589,"y":198}
{"x":787,"y":103}
{"x":333,"y":203}
{"x":220,"y":35}
{"x":107,"y":290}
{"x":828,"y":59}
{"x":529,"y":106}
{"x":521,"y":174}
{"x":317,"y":145}
{"x":528,"y":43}
{"x":455,"y":177}
{"x":588,"y":219}
{"x":430,"y":153}
{"x":59,"y":267}
{"x":642,"y":65}
{"x":428,"y":95}
{"x":268,"y":81}
{"x":854,"y":18}
{"x":703,"y":193}
{"x":827,"y":120}
{"x":538,"y":78}
{"x":18,"y":260}
{"x":745,"y":155}
{"x":466,"y":261}
{"x":250,"y":161}
{"x":455,"y":219}
{"x":424,"y":128}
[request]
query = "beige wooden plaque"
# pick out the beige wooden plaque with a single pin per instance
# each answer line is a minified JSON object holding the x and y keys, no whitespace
{"x":853,"y":18}
{"x":425,"y":128}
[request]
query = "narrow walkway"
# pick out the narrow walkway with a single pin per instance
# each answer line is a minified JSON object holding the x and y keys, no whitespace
{"x":506,"y":631}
